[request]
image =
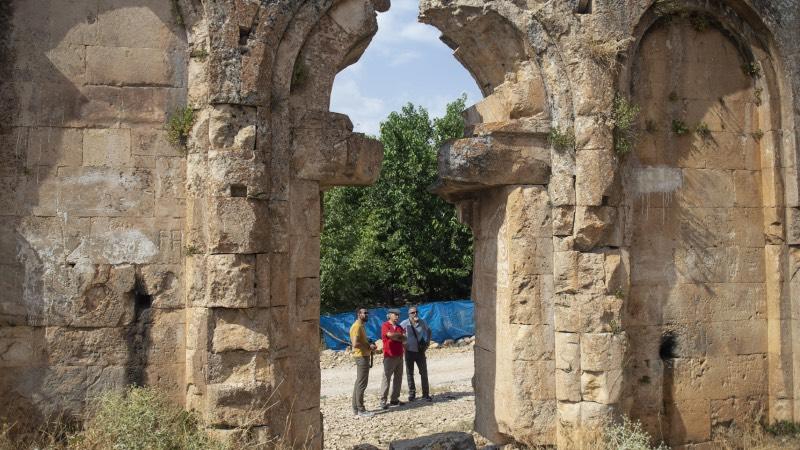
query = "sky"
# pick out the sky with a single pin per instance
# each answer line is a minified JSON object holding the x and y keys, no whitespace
{"x":406,"y":62}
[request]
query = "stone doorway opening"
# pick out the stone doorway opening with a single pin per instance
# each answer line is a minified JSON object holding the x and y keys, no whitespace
{"x":395,"y":243}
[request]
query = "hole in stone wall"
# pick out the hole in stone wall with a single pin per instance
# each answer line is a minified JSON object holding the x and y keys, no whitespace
{"x":669,"y":346}
{"x":244,"y":35}
{"x":583,"y":6}
{"x":138,"y":335}
{"x":238,"y":190}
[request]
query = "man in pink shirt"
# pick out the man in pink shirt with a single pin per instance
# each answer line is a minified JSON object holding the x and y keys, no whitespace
{"x":393,"y":337}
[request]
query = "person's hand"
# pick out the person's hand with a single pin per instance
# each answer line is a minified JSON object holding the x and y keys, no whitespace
{"x":373,"y":347}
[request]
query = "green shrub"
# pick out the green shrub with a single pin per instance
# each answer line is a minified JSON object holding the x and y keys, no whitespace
{"x":179,"y":126}
{"x":561,"y":140}
{"x":624,"y":115}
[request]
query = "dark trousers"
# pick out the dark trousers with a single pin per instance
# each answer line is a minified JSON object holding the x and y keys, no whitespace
{"x":422,"y":364}
{"x":362,"y":377}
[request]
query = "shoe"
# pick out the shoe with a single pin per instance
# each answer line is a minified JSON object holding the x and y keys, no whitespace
{"x":365,"y":414}
{"x":384,"y":406}
{"x":428,"y":398}
{"x":396,"y":403}
{"x":411,"y":398}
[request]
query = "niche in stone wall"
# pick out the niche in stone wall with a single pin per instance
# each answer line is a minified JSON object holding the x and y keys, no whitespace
{"x":696,"y":312}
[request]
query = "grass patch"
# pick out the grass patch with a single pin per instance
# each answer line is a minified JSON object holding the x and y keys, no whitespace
{"x":561,"y":141}
{"x":139,"y":419}
{"x":754,"y":436}
{"x":179,"y":126}
{"x":624,"y":115}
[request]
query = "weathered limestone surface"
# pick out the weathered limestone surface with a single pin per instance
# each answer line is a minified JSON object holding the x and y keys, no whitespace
{"x":92,"y":203}
{"x":660,"y":283}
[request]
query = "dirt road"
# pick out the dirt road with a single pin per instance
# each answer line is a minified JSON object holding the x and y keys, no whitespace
{"x":452,"y":409}
{"x":444,"y":368}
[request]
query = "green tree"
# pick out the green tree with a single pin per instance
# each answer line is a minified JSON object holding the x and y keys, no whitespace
{"x":395,"y":242}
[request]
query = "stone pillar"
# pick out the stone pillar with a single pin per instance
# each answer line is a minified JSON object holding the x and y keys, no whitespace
{"x":233,"y":328}
{"x":590,"y":267}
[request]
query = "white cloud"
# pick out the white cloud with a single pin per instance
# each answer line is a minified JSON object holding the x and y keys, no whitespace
{"x":365,"y":112}
{"x":400,"y":27}
{"x":403,"y":58}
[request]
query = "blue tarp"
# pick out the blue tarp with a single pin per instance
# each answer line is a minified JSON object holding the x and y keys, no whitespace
{"x":448,"y":320}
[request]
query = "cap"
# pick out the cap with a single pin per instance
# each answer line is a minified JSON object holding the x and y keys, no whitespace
{"x":394,"y":311}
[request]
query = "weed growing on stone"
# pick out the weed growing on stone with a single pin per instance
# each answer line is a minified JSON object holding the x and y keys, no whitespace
{"x":757,"y":96}
{"x":666,"y":8}
{"x":679,"y":127}
{"x":624,"y":115}
{"x":673,"y":96}
{"x":561,"y":141}
{"x":605,"y":51}
{"x":179,"y":126}
{"x":191,"y":250}
{"x":752,"y":70}
{"x":176,"y":12}
{"x":199,"y":53}
{"x":702,"y":130}
{"x":700,"y":22}
{"x":757,"y":135}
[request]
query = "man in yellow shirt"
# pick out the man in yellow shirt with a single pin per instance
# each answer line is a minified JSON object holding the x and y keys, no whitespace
{"x":362,"y":349}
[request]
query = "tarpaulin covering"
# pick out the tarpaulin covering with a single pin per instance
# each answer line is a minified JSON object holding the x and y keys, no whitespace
{"x":448,"y":320}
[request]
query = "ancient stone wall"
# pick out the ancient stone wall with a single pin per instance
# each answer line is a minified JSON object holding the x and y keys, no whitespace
{"x":655,"y":279}
{"x":92,"y":203}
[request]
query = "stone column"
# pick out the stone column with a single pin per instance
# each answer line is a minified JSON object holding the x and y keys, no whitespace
{"x":590,"y":269}
{"x":233,"y":329}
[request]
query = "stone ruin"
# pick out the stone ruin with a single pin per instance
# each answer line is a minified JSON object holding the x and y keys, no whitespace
{"x":647,"y":270}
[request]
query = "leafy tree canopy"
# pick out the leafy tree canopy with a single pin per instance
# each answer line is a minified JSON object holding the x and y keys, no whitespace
{"x":395,"y":242}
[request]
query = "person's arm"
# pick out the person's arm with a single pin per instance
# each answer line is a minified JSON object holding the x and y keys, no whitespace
{"x":396,"y":336}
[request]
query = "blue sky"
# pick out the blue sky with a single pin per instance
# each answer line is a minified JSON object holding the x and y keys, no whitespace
{"x":406,"y":62}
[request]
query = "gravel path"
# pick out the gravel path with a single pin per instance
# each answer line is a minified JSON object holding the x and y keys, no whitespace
{"x":453,"y":407}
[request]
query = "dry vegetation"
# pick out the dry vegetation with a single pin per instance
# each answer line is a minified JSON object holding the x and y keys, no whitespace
{"x":605,"y":51}
{"x":142,"y":419}
{"x":138,"y":419}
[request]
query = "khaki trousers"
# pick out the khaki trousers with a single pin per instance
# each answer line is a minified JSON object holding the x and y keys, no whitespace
{"x":392,"y":369}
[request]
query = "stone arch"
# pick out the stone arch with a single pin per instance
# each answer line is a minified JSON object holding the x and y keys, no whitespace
{"x":696,"y":204}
